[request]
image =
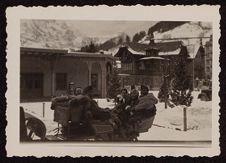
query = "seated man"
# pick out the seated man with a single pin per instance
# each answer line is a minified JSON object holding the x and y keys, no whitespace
{"x":123,"y":100}
{"x":133,"y":101}
{"x":97,"y":112}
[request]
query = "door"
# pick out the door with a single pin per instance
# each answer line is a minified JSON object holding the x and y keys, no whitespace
{"x":94,"y":81}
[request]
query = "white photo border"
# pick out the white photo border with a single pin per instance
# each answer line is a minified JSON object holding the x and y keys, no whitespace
{"x":133,"y":13}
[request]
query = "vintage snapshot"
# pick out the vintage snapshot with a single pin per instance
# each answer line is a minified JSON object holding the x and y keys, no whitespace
{"x":147,"y":83}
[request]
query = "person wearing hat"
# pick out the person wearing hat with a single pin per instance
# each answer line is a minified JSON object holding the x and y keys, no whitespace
{"x":97,"y":112}
{"x":144,"y":90}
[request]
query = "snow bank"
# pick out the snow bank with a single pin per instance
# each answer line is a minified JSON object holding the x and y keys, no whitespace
{"x":199,"y":115}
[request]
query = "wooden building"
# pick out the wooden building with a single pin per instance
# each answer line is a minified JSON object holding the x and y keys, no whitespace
{"x":148,"y":64}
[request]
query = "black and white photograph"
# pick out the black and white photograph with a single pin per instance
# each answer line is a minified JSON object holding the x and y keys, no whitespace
{"x":115,"y":80}
{"x":138,"y":82}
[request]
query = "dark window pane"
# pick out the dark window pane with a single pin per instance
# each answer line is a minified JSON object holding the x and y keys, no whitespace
{"x":61,"y":81}
{"x":29,"y":84}
{"x":37,"y":84}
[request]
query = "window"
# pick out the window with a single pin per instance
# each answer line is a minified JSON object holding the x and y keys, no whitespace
{"x":61,"y":81}
{"x":37,"y":84}
{"x":31,"y":85}
{"x":127,"y":66}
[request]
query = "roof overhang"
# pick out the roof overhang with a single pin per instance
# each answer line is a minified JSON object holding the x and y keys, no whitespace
{"x":61,"y":52}
{"x":152,"y":58}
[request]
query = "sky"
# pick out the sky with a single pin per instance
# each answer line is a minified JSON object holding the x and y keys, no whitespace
{"x":109,"y":28}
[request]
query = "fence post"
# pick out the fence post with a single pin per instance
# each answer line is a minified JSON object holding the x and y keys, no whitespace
{"x":43,"y":109}
{"x":185,"y":118}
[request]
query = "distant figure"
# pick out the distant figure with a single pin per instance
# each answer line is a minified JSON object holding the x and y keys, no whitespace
{"x":71,"y":88}
{"x":78,"y":91}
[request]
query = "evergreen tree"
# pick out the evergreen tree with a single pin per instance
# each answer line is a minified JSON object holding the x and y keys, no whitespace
{"x":127,"y":39}
{"x":113,"y":84}
{"x":163,"y":92}
{"x":92,"y":48}
{"x":138,"y":36}
{"x":181,"y":89}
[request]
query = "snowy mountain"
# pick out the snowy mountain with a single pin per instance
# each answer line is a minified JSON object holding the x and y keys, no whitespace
{"x":75,"y":34}
{"x":49,"y":34}
{"x":115,"y":41}
{"x":182,"y":30}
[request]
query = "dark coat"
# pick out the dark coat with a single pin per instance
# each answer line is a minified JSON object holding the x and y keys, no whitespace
{"x":145,"y":107}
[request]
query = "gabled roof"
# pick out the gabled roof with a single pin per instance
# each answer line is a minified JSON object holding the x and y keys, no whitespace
{"x":162,"y":47}
{"x":135,"y":52}
{"x":131,"y":51}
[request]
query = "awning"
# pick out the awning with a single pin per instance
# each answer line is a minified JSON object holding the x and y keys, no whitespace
{"x":124,"y":74}
{"x":153,"y":58}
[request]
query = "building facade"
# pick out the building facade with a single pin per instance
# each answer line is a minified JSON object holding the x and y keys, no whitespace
{"x":46,"y":73}
{"x":148,"y":64}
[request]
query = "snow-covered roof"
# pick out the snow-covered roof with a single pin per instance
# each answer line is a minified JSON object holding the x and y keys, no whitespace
{"x":62,"y":52}
{"x":135,"y":52}
{"x":45,"y":51}
{"x":162,"y":46}
{"x":174,"y":52}
{"x":124,"y":74}
{"x":140,"y":49}
{"x":150,"y":58}
{"x":193,"y":50}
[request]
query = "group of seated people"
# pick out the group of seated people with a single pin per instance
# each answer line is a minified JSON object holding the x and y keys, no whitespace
{"x":130,"y":108}
{"x":133,"y":107}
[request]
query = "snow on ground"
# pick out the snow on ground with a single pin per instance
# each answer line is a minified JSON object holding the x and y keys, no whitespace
{"x":198,"y":117}
{"x":168,"y":123}
{"x":164,"y":134}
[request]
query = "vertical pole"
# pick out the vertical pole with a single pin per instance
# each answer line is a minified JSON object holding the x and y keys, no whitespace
{"x":165,"y":103}
{"x":165,"y":91}
{"x":185,"y":118}
{"x":89,"y":72}
{"x":103,"y":80}
{"x":52,"y":78}
{"x":69,"y":130}
{"x":43,"y":109}
{"x":165,"y":82}
{"x":193,"y":72}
